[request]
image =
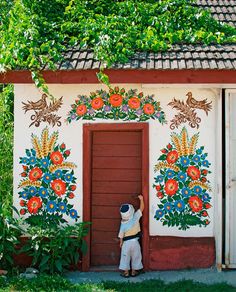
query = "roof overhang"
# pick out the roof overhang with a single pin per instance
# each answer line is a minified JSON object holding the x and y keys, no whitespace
{"x":125,"y":76}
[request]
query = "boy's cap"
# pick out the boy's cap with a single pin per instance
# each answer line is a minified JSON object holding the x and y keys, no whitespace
{"x":126,"y":211}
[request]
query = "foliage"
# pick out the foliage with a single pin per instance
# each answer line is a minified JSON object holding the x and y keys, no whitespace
{"x":35,"y":33}
{"x":48,"y":182}
{"x":57,"y":247}
{"x":182,"y":185}
{"x":160,"y":286}
{"x":116,"y":104}
{"x":6,"y":149}
{"x":9,"y":237}
{"x":9,"y":227}
{"x":45,"y":283}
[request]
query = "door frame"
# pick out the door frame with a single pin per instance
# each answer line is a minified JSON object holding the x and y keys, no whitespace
{"x":88,"y":130}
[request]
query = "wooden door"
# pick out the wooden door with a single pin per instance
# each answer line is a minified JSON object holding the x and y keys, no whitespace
{"x":116,"y":179}
{"x":230,"y":214}
{"x":115,"y":172}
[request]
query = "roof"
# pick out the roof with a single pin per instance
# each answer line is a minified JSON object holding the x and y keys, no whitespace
{"x":222,"y":10}
{"x":179,"y":57}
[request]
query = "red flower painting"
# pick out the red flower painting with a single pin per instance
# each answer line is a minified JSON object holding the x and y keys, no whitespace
{"x":134,"y":103}
{"x":116,"y":100}
{"x":81,"y":110}
{"x":56,"y":157}
{"x":172,"y":156}
{"x":195,"y":203}
{"x":34,"y":204}
{"x":97,"y":103}
{"x":58,"y":186}
{"x":193,"y":172}
{"x":35,"y":174}
{"x":171,"y":187}
{"x":148,"y":109}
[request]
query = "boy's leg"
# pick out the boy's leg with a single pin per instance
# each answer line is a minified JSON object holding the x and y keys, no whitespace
{"x":136,"y":257}
{"x":125,"y":257}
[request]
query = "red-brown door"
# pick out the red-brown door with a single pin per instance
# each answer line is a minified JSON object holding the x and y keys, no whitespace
{"x":116,"y":179}
{"x":114,"y":173}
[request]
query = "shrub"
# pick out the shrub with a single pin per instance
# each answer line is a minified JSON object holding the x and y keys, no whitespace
{"x":9,"y":238}
{"x":6,"y":149}
{"x":55,"y":248}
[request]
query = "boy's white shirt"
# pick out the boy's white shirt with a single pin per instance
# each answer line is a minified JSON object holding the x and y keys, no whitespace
{"x":131,"y":226}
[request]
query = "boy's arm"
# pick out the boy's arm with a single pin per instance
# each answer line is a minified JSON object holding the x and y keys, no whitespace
{"x":121,"y":242}
{"x":121,"y":235}
{"x":141,"y":206}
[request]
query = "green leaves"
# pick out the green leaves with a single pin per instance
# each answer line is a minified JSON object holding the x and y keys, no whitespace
{"x":6,"y":149}
{"x":56,"y":248}
{"x":9,"y":235}
{"x":103,"y":78}
{"x":35,"y":33}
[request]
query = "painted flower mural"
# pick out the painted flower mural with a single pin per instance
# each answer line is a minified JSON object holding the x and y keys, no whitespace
{"x":182,"y":185}
{"x":117,"y":104}
{"x":48,"y":181}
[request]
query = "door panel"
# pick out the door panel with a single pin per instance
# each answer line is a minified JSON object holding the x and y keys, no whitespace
{"x":116,"y":138}
{"x":120,"y":150}
{"x":120,"y":187}
{"x":117,"y":175}
{"x":109,"y":200}
{"x":105,"y":225}
{"x":125,"y":162}
{"x":116,"y":179}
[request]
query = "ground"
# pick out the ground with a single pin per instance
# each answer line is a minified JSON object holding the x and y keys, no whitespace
{"x":207,"y":276}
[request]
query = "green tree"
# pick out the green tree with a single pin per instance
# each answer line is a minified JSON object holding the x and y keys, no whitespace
{"x":35,"y":33}
{"x":6,"y":149}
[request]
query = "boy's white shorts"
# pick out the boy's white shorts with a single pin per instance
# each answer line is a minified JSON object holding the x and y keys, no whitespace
{"x":131,"y":253}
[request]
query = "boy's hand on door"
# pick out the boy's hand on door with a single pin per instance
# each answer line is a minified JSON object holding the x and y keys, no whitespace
{"x":140,"y":197}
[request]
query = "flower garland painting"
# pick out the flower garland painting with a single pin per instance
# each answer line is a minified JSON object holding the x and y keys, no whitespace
{"x":117,"y":104}
{"x":48,"y":182}
{"x":182,"y":185}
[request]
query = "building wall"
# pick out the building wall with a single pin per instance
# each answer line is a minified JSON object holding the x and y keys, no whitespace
{"x":160,"y":136}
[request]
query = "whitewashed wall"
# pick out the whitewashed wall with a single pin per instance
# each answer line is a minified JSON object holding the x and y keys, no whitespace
{"x":71,"y":135}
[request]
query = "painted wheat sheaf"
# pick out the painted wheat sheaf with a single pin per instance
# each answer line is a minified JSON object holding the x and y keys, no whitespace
{"x":46,"y":145}
{"x":182,"y":183}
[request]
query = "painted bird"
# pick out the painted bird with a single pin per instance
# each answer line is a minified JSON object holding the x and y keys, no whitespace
{"x":37,"y":105}
{"x":200,"y":104}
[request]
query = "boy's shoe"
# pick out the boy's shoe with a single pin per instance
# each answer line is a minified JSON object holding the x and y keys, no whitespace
{"x":125,"y":274}
{"x":137,"y":272}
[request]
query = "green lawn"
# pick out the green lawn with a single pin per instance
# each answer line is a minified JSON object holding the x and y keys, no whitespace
{"x":57,"y":284}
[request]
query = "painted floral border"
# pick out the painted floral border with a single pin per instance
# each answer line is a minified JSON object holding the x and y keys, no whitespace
{"x":117,"y":104}
{"x":182,"y":185}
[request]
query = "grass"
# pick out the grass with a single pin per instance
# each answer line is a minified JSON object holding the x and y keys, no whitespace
{"x":57,"y":284}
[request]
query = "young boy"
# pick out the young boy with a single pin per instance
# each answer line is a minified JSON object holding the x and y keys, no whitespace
{"x":129,"y":235}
